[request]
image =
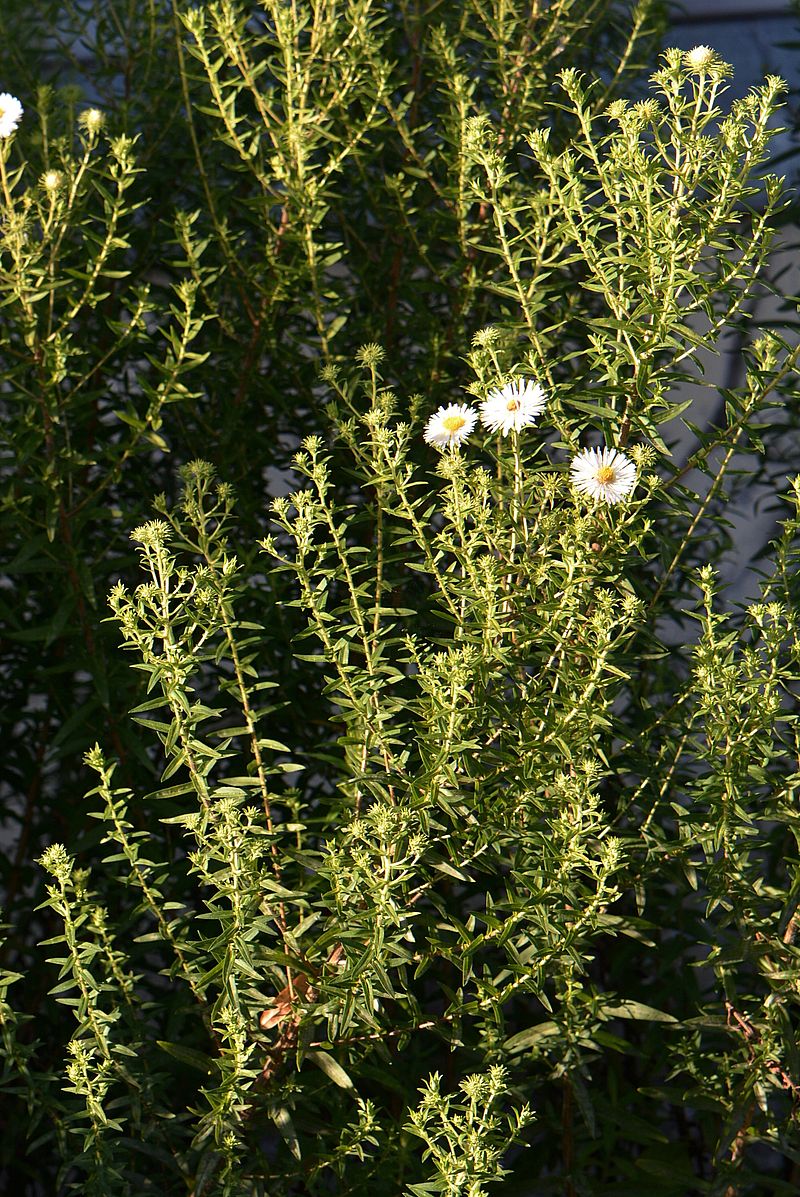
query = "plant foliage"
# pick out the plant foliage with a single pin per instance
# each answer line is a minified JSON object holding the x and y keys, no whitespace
{"x":406,"y":820}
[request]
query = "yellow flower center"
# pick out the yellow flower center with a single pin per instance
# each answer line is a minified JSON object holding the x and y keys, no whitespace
{"x":605,"y":475}
{"x":453,"y":423}
{"x":512,"y":405}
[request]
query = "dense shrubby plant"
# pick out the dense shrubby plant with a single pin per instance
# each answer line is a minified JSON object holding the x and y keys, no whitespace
{"x":450,"y":842}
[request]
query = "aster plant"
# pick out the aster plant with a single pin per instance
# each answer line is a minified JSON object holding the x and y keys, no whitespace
{"x":395,"y":803}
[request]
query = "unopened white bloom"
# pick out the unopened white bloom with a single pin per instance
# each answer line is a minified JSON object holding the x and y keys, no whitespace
{"x":699,"y":58}
{"x":51,"y":180}
{"x":450,"y":425}
{"x":513,"y":406}
{"x":10,"y":114}
{"x":603,"y":474}
{"x":92,"y":120}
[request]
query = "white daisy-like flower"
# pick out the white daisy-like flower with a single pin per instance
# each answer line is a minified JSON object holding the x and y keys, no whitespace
{"x":699,"y":58}
{"x":513,"y":406}
{"x":10,"y":114}
{"x":603,"y":474}
{"x":450,"y":425}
